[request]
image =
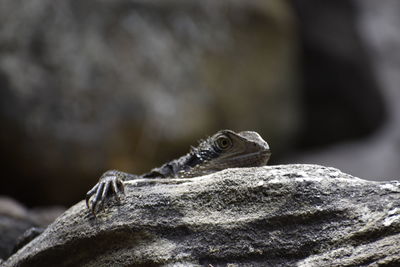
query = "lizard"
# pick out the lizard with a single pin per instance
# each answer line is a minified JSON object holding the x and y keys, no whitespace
{"x":225,"y":149}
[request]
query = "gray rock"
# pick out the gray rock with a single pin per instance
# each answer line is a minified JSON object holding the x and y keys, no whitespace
{"x":285,"y":215}
{"x":13,"y":223}
{"x":15,"y":219}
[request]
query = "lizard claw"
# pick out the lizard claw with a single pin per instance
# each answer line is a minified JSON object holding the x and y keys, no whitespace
{"x":109,"y":185}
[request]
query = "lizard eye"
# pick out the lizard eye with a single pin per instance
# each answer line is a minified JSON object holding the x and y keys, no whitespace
{"x":223,"y":142}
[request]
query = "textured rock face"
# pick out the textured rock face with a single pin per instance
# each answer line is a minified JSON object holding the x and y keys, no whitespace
{"x":305,"y":215}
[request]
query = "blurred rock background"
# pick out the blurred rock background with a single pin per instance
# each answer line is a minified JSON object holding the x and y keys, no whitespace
{"x":91,"y":86}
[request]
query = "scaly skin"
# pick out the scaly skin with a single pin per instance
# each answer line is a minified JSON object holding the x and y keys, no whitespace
{"x":225,"y":149}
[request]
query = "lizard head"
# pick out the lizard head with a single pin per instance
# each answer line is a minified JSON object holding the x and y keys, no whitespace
{"x":228,"y":149}
{"x":243,"y":149}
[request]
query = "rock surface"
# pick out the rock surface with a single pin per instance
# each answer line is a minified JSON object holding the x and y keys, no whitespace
{"x":284,"y":215}
{"x":15,"y":219}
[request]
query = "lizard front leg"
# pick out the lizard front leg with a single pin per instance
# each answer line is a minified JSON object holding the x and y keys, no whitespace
{"x":110,"y":184}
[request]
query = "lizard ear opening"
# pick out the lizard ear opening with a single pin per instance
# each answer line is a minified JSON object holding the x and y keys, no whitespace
{"x":223,"y":142}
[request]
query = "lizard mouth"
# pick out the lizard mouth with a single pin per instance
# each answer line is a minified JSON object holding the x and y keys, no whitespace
{"x":255,"y":159}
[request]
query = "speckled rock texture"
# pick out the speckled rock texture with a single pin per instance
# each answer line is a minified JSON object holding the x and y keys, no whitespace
{"x":285,"y":215}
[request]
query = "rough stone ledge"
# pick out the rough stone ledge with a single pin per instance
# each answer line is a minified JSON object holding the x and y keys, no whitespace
{"x":285,"y":215}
